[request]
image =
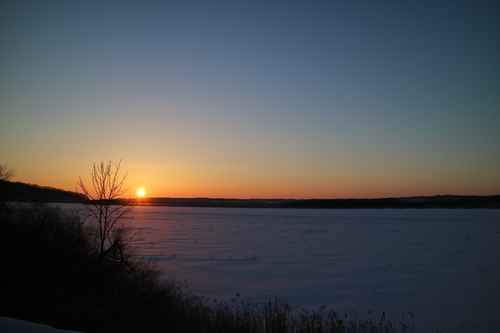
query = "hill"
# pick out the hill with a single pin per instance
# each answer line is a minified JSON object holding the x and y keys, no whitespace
{"x":22,"y":192}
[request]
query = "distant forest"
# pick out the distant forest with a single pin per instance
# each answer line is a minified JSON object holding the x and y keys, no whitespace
{"x":22,"y":192}
{"x":439,"y":201}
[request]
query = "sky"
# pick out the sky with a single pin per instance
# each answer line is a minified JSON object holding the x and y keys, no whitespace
{"x":254,"y":99}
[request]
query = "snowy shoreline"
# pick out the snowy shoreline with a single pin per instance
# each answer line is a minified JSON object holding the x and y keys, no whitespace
{"x":11,"y":325}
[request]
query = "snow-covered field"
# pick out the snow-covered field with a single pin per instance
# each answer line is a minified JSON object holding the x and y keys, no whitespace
{"x":443,"y":265}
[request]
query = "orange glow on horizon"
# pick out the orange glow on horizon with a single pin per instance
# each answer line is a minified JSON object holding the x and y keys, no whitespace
{"x":181,"y":181}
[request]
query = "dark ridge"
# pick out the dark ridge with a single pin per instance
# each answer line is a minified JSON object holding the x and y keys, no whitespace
{"x":439,"y":201}
{"x":22,"y":192}
{"x":211,"y":202}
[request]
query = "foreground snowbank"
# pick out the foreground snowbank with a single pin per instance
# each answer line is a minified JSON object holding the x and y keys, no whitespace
{"x":9,"y":325}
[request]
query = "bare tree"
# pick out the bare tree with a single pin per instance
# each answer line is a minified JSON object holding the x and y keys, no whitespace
{"x":6,"y":172}
{"x":106,"y":211}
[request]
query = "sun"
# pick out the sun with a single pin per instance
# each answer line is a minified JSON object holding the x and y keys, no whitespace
{"x":141,"y":192}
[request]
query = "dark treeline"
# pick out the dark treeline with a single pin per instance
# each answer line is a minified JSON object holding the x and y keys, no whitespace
{"x":22,"y":192}
{"x":440,"y":201}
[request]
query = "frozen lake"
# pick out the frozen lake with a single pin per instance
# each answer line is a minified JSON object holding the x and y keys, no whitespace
{"x":443,"y":265}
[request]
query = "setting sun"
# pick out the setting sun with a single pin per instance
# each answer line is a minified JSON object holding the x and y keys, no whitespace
{"x":141,"y":192}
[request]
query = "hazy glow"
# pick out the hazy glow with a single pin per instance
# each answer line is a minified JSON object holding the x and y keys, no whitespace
{"x":254,"y":99}
{"x":141,"y":192}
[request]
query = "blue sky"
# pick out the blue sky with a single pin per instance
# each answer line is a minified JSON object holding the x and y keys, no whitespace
{"x":255,"y":99}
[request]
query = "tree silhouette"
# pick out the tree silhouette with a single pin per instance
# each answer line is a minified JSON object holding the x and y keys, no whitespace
{"x":6,"y":173}
{"x":105,"y":211}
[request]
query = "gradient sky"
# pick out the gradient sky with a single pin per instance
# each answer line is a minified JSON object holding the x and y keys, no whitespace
{"x":254,"y":99}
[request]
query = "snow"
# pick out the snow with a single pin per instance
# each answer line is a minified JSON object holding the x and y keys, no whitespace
{"x":9,"y":325}
{"x":443,"y":265}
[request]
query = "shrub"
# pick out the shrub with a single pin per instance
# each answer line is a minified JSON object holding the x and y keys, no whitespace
{"x":52,"y":273}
